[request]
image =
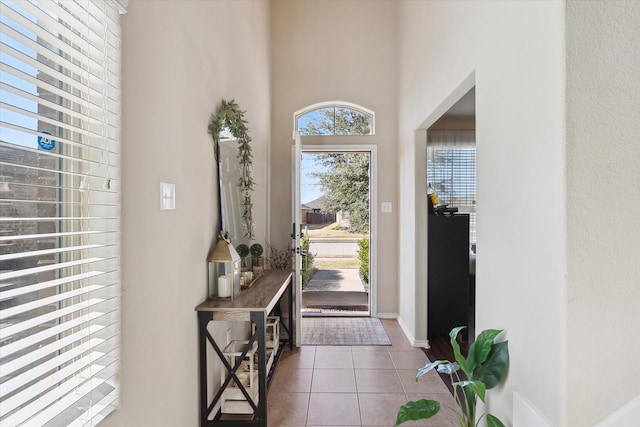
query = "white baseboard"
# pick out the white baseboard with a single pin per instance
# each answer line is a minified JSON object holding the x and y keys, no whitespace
{"x":410,"y":337}
{"x":525,"y":415}
{"x":421,"y":343}
{"x":405,"y":330}
{"x":625,"y":416}
{"x":387,"y":315}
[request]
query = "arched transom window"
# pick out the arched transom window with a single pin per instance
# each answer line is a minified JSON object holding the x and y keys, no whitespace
{"x":334,"y":118}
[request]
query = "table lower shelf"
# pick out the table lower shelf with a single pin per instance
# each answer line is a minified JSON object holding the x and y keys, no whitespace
{"x":231,"y":419}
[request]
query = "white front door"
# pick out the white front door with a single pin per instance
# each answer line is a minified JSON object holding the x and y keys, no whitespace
{"x":296,"y":235}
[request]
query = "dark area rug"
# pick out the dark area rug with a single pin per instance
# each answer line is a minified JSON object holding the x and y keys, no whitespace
{"x":343,"y":331}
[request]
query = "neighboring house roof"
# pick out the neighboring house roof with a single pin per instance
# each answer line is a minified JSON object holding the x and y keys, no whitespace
{"x":316,"y":204}
{"x":304,"y":207}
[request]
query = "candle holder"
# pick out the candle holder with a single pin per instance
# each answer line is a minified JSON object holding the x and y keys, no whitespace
{"x":224,"y":270}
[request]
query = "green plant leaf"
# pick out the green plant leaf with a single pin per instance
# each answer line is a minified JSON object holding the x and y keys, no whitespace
{"x":479,"y":350}
{"x":477,"y":387}
{"x":456,"y":349}
{"x":418,"y":410}
{"x":243,"y":250}
{"x":428,"y":367}
{"x":492,"y":370}
{"x":493,"y":421}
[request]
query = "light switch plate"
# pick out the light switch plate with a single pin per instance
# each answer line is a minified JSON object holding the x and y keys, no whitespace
{"x":386,"y":207}
{"x":167,"y":196}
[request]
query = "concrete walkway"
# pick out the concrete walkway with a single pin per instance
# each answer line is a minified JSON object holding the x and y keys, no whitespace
{"x":344,"y":280}
{"x":335,"y":289}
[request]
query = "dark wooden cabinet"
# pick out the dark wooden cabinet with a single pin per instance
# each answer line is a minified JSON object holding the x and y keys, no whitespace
{"x":448,"y":273}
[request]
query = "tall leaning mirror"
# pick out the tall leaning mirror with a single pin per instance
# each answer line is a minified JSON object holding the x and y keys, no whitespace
{"x":233,"y":154}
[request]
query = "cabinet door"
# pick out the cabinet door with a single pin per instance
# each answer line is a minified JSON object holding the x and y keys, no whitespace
{"x":448,"y":273}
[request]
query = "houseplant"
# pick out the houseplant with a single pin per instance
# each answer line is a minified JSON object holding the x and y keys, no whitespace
{"x":484,"y":368}
{"x":256,"y":255}
{"x":243,"y":251}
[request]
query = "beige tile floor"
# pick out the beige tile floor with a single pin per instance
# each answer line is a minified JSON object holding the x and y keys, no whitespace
{"x":354,"y":385}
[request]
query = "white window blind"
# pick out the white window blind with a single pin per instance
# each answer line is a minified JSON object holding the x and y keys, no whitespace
{"x":59,"y":211}
{"x":451,"y":171}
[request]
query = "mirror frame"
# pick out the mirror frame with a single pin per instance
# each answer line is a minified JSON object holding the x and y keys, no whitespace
{"x":228,"y":121}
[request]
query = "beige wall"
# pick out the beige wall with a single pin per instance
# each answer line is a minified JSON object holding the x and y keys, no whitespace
{"x":337,"y":51}
{"x":553,"y":269}
{"x":557,"y":130}
{"x":180,"y":59}
{"x":514,"y":51}
{"x":603,"y":172}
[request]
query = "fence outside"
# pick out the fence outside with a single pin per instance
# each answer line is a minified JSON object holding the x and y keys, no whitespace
{"x":320,"y":218}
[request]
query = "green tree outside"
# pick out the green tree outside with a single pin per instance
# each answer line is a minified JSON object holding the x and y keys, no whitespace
{"x":345,"y":183}
{"x":336,"y":121}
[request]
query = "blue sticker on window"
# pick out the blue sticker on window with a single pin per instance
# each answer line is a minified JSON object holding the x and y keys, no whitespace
{"x":46,"y":143}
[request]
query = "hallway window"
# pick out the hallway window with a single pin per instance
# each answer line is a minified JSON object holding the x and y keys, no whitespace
{"x":59,"y":212}
{"x":451,"y":170}
{"x":335,"y":119}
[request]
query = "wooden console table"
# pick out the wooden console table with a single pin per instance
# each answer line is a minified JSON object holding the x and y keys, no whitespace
{"x":253,"y":304}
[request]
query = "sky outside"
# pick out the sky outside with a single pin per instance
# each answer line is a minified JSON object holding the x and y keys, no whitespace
{"x":13,"y":135}
{"x":309,"y":187}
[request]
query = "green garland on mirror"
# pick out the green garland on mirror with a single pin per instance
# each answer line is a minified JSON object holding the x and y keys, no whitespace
{"x":229,"y":116}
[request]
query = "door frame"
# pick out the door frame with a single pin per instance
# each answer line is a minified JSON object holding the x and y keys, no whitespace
{"x":373,"y":214}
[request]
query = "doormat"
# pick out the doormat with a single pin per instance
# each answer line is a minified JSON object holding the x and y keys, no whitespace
{"x":343,"y":331}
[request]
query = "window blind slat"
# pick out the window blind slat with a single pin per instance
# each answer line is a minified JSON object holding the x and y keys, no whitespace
{"x":97,"y":412}
{"x":56,"y":218}
{"x":52,"y":316}
{"x":45,"y":335}
{"x":47,"y":235}
{"x":59,"y":148}
{"x":60,"y":376}
{"x":88,"y":14}
{"x":88,"y":94}
{"x":67,"y":173}
{"x":23,"y":95}
{"x":112,"y":149}
{"x":62,"y":397}
{"x":16,"y":382}
{"x":27,"y":271}
{"x":23,"y":77}
{"x":89,"y":164}
{"x":23,"y":290}
{"x":67,"y":44}
{"x":10,"y":367}
{"x":8,"y":313}
{"x":19,"y":255}
{"x":79,"y":203}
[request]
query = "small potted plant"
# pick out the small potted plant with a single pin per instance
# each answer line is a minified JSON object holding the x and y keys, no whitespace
{"x":484,"y":368}
{"x":257,"y":260}
{"x":243,"y":251}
